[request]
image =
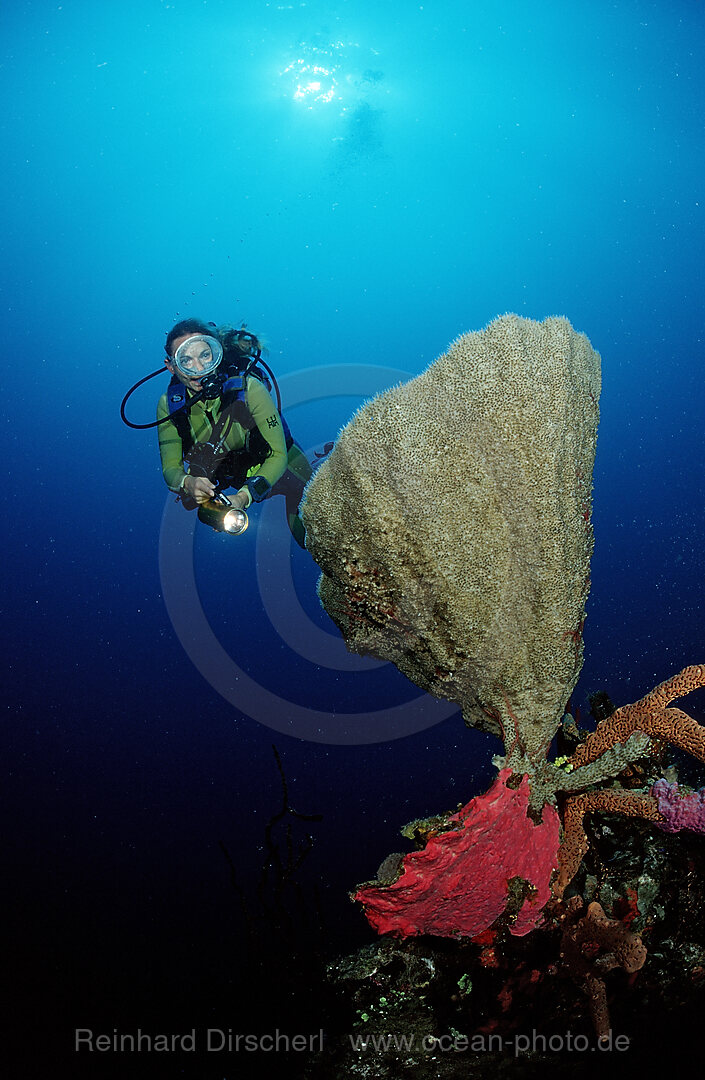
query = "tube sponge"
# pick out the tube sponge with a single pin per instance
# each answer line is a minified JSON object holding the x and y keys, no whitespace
{"x":452,"y":525}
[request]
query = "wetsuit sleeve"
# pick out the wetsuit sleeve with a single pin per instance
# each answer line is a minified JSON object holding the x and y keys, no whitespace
{"x":265,"y":415}
{"x":170,"y":448}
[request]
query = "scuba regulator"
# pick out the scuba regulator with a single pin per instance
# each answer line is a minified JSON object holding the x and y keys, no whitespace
{"x":212,"y":383}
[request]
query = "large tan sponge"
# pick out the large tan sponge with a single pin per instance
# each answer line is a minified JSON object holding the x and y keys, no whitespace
{"x":452,"y":525}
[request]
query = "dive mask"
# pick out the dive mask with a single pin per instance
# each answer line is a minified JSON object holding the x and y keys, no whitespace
{"x":198,"y":356}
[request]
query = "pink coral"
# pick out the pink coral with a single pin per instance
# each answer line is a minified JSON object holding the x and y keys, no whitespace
{"x":679,"y":811}
{"x":496,"y":860}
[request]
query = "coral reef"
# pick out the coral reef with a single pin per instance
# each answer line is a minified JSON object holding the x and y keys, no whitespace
{"x":495,"y":871}
{"x":501,"y":1005}
{"x":452,"y":524}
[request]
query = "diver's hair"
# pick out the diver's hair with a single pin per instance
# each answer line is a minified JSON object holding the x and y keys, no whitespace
{"x":238,"y":344}
{"x":189,"y":326}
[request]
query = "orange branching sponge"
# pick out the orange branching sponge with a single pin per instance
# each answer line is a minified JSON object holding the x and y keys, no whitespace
{"x":592,"y":945}
{"x":575,"y":842}
{"x":652,"y":717}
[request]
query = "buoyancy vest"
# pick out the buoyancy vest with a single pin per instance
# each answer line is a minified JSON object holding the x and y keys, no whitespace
{"x":233,"y":393}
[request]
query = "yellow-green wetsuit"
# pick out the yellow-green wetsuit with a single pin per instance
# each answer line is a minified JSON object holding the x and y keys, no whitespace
{"x":286,"y":471}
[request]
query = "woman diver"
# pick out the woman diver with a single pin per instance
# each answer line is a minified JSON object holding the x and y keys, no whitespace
{"x":232,"y":435}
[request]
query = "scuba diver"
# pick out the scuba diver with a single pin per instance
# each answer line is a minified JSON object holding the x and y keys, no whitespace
{"x":220,"y":428}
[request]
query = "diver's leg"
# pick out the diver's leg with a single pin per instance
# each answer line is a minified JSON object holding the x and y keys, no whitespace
{"x":298,"y":464}
{"x":296,"y":528}
{"x":291,"y":485}
{"x":292,"y":488}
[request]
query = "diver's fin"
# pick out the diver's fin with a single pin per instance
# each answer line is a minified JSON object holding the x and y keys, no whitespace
{"x":320,"y":453}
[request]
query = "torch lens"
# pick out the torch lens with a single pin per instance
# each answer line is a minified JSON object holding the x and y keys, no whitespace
{"x":235,"y":522}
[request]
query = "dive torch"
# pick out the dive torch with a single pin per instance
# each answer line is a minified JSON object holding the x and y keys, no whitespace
{"x":222,"y":516}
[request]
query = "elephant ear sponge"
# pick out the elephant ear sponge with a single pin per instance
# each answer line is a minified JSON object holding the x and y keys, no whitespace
{"x":452,"y":525}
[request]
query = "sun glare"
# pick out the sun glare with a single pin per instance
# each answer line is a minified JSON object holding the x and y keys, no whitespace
{"x":315,"y":76}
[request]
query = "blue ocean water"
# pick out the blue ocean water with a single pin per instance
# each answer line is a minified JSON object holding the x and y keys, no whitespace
{"x":360,"y":183}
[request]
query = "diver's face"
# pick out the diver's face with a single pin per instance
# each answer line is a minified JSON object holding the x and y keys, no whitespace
{"x":199,"y":354}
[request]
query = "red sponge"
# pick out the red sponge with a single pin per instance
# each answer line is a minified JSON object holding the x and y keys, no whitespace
{"x":459,"y":884}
